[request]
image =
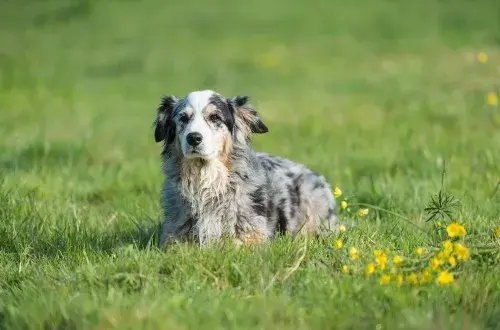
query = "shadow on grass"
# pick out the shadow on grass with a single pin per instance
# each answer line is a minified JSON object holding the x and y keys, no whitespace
{"x":38,"y":154}
{"x":74,"y":10}
{"x":24,"y":230}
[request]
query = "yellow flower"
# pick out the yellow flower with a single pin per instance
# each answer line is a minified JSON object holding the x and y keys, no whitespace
{"x":362,"y":212}
{"x":342,"y":228}
{"x":384,"y":279}
{"x":353,"y":253}
{"x":444,"y":277}
{"x":343,"y":205}
{"x":447,"y":247}
{"x":420,"y":251}
{"x":397,"y":260}
{"x":399,"y":279}
{"x":380,"y":259}
{"x":345,"y":269}
{"x":456,"y":230}
{"x":337,"y":192}
{"x":369,"y":269}
{"x":461,"y":252}
{"x":434,"y":263}
{"x":497,"y":232}
{"x":441,"y":257}
{"x":452,"y":261}
{"x":482,"y":57}
{"x":492,"y":98}
{"x":337,"y":244}
{"x":412,"y":278}
{"x":426,"y":276}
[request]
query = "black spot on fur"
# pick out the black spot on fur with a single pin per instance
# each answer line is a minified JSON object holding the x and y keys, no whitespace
{"x":266,"y":166}
{"x":294,"y":193}
{"x":318,"y":185}
{"x":187,"y":226}
{"x":293,"y":200}
{"x":270,"y":208}
{"x":243,"y":177}
{"x":271,"y":164}
{"x":330,"y":213}
{"x":225,"y":111}
{"x":258,"y":204}
{"x":297,"y":181}
{"x":282,"y":203}
{"x":281,"y":224}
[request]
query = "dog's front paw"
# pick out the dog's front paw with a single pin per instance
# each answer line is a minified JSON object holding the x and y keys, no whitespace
{"x":250,"y":239}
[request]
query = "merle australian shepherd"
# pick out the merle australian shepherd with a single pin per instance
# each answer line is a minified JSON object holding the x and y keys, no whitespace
{"x":217,"y":186}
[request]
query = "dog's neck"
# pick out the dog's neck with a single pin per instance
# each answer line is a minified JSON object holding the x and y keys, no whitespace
{"x":205,"y":183}
{"x":206,"y":186}
{"x":203,"y":180}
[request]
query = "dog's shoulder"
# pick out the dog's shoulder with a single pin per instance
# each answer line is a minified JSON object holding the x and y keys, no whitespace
{"x":283,"y":170}
{"x":276,"y":164}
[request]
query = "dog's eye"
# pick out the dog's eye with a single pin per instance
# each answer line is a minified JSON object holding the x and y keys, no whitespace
{"x":214,"y":117}
{"x":183,"y":118}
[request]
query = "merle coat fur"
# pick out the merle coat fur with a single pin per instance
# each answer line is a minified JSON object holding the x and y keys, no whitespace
{"x":217,"y":186}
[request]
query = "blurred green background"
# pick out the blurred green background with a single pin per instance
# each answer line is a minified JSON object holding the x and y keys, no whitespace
{"x":376,"y":95}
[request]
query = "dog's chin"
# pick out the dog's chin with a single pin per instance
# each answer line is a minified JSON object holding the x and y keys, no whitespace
{"x":195,"y":154}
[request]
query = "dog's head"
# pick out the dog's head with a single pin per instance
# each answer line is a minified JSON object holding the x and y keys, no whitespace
{"x":204,"y":124}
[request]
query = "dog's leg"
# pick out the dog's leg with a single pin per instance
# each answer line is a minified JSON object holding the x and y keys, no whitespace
{"x":175,"y":230}
{"x":249,"y":240}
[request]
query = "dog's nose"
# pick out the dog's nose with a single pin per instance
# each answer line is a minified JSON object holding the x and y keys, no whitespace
{"x":194,"y":138}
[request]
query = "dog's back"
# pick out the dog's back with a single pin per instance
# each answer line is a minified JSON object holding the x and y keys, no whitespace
{"x":298,"y":198}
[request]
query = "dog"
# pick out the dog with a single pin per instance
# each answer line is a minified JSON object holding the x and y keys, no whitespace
{"x":217,"y":186}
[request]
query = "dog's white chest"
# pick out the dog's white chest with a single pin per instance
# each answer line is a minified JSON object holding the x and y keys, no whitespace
{"x":207,"y":190}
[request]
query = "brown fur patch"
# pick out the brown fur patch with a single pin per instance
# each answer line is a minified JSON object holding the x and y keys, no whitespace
{"x":245,"y":117}
{"x":246,"y":114}
{"x":224,"y":154}
{"x":209,"y":109}
{"x":251,"y":239}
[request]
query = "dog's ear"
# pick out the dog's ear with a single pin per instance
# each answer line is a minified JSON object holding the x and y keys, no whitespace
{"x":164,"y":126}
{"x":247,"y":117}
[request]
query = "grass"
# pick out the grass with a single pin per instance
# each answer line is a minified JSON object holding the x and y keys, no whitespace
{"x":375,"y":95}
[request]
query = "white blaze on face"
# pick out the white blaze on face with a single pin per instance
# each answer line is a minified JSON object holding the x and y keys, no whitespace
{"x":196,"y":102}
{"x":200,"y":99}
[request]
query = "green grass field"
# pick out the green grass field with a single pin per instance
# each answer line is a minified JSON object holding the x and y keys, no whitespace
{"x":377,"y":95}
